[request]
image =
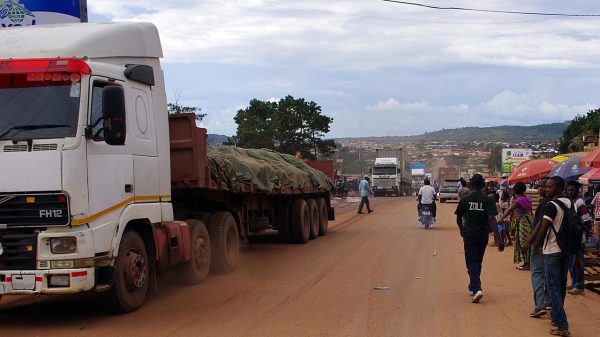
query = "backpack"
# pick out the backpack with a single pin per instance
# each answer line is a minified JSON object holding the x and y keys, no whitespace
{"x":570,"y":233}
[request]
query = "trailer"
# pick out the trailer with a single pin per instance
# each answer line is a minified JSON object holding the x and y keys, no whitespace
{"x":101,"y":189}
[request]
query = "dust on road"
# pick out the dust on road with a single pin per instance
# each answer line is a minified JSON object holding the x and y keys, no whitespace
{"x":326,"y":288}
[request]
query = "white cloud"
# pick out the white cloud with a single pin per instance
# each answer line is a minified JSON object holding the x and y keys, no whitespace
{"x":378,"y":68}
{"x":391,"y":117}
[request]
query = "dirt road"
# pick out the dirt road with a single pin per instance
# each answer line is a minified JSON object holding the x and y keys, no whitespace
{"x":326,"y":288}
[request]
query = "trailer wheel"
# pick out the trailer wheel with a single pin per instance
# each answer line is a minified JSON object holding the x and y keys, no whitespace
{"x":130,"y":277}
{"x":313,"y":216}
{"x":224,"y":242}
{"x":196,"y":269}
{"x":323,"y":216}
{"x":282,"y":215}
{"x":300,"y":228}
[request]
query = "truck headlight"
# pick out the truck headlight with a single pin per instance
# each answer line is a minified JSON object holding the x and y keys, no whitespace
{"x":63,"y":245}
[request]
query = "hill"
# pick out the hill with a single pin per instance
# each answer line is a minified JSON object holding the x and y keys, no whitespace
{"x":496,"y":133}
{"x":214,"y":139}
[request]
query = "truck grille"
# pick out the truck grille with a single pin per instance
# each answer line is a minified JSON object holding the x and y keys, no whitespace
{"x":19,"y":251}
{"x":33,"y":210}
{"x":384,"y":182}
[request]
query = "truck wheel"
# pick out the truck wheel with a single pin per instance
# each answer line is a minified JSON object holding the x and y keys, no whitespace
{"x":313,"y":216}
{"x":196,"y":269}
{"x":300,"y":228}
{"x":282,"y":215}
{"x":202,"y":216}
{"x":130,"y":277}
{"x":224,"y":242}
{"x":323,"y":216}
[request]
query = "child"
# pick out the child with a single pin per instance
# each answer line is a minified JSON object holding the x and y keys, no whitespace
{"x":504,"y":204}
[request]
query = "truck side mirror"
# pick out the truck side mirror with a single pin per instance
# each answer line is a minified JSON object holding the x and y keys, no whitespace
{"x":113,"y":112}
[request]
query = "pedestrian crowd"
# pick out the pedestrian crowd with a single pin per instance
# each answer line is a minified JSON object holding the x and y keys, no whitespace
{"x":549,"y":239}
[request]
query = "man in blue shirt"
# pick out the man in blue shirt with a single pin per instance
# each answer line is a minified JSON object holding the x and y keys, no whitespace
{"x":364,"y":190}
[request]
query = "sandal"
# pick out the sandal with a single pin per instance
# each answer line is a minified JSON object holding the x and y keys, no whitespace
{"x":523,"y":267}
{"x":560,"y":332}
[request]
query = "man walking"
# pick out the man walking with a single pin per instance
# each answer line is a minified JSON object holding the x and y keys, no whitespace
{"x":364,"y":190}
{"x":479,"y":212}
{"x":555,"y":261}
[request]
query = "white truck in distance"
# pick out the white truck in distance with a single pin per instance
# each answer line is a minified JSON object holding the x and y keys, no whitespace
{"x":391,"y":173}
{"x":100,"y":189}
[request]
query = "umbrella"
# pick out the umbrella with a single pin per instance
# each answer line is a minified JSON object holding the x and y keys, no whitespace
{"x":569,"y":169}
{"x":560,"y":158}
{"x":591,"y":177}
{"x":531,"y":170}
{"x":592,"y":159}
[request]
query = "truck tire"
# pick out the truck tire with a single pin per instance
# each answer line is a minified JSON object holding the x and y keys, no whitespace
{"x":196,"y":269}
{"x":282,"y":215}
{"x":131,"y":276}
{"x":224,"y":243}
{"x":313,"y":216}
{"x":323,"y":216}
{"x":300,"y":222}
{"x":202,"y":216}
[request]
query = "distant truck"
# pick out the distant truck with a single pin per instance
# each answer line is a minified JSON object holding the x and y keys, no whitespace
{"x":392,"y":173}
{"x":101,"y":189}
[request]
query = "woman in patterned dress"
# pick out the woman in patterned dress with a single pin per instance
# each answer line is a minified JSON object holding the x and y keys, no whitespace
{"x":521,"y":206}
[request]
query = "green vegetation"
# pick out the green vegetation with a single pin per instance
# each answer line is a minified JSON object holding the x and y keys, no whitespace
{"x":470,"y":134}
{"x":176,"y":108}
{"x":582,"y":125}
{"x":292,"y":126}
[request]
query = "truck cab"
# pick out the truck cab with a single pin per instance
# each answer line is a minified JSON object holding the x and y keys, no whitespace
{"x":386,"y":177}
{"x":77,"y":170}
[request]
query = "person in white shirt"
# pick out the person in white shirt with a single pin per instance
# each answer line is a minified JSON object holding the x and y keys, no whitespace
{"x":427,"y":197}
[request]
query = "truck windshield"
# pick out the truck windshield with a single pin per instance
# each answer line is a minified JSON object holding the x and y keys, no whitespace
{"x":388,"y":170}
{"x":39,"y":105}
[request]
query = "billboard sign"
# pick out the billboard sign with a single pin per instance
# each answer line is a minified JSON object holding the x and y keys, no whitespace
{"x":14,"y":13}
{"x":511,"y":158}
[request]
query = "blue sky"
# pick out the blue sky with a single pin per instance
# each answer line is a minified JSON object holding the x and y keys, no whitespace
{"x":376,"y":67}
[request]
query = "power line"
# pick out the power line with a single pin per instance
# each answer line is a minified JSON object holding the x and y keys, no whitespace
{"x":375,"y":17}
{"x":490,"y":10}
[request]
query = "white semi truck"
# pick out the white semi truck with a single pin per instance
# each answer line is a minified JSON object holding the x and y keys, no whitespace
{"x":100,"y":189}
{"x":391,"y":173}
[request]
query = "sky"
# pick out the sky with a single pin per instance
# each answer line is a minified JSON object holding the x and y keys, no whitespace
{"x":377,"y":68}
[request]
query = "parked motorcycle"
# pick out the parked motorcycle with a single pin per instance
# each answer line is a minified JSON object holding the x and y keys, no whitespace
{"x":341,"y":193}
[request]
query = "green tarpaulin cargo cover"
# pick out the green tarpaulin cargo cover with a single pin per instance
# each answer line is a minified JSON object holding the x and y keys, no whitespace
{"x":266,"y":170}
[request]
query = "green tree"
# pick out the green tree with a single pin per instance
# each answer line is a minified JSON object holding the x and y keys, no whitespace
{"x":582,"y":125}
{"x":494,"y":161}
{"x":255,"y":125}
{"x":176,"y":108}
{"x":292,"y":126}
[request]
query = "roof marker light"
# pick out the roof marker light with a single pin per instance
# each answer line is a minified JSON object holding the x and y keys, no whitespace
{"x":65,"y":65}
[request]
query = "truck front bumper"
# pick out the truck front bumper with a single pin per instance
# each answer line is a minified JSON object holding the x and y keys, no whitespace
{"x":53,"y":281}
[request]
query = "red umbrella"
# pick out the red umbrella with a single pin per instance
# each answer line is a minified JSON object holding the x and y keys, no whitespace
{"x":592,"y":159}
{"x":531,"y":170}
{"x":591,"y":177}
